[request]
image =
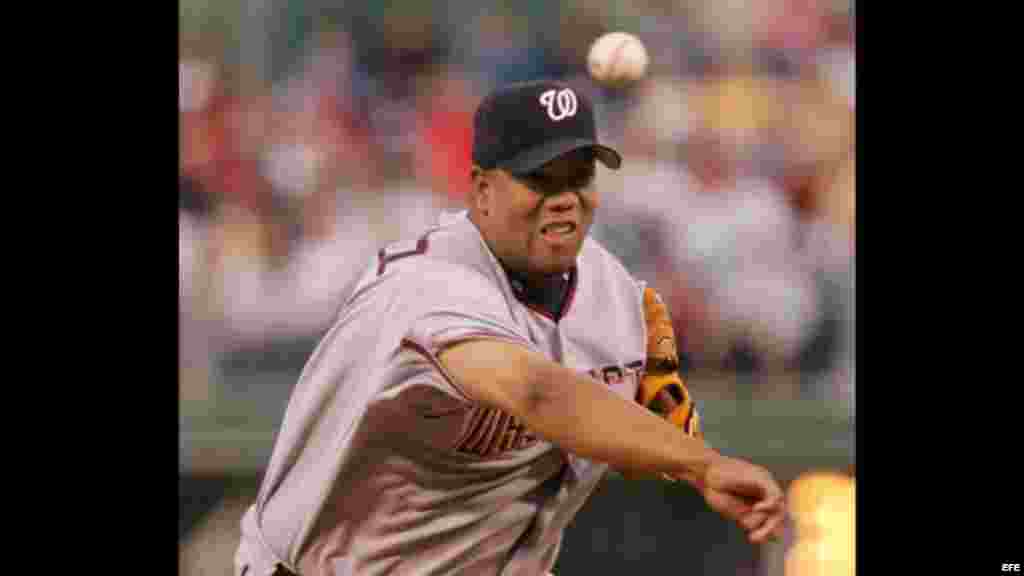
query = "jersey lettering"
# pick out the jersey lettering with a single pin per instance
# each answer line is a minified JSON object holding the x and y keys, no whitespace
{"x":615,"y":375}
{"x":492,"y":432}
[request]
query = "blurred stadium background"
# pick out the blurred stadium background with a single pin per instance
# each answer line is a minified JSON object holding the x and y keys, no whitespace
{"x":311,"y":132}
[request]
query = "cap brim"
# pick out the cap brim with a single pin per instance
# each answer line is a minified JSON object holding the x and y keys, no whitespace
{"x":531,"y":160}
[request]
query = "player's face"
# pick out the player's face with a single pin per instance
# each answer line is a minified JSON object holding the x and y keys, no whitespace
{"x":537,"y":222}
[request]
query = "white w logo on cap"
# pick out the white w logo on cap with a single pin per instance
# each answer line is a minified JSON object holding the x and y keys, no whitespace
{"x":564,"y":100}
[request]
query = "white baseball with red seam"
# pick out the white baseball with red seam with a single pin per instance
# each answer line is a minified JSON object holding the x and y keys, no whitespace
{"x":617,"y":59}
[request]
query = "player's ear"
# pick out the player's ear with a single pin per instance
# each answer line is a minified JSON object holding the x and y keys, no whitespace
{"x":482,"y":189}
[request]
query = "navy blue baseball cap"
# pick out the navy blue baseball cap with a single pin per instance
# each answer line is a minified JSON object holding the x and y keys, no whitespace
{"x":520,"y":127}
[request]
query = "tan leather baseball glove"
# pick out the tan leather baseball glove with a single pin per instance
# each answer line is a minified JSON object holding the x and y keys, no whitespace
{"x":662,"y":389}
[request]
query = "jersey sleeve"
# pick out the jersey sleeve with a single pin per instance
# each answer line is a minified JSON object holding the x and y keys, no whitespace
{"x":457,"y":305}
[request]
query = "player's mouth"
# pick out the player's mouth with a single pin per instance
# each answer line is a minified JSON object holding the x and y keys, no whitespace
{"x":558,"y":232}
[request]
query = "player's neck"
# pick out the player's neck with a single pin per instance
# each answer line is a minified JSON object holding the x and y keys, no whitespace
{"x":545,"y":292}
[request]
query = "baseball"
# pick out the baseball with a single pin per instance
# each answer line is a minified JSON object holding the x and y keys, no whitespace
{"x":617,"y":59}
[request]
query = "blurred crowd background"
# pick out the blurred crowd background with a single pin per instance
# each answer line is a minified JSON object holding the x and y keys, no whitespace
{"x":314,"y":132}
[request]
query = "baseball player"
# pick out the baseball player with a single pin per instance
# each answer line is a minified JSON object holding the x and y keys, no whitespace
{"x":483,"y":377}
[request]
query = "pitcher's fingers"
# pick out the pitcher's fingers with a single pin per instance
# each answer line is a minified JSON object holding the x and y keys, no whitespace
{"x":770,"y":503}
{"x":772,"y":528}
{"x":752,"y":521}
{"x":726,"y":504}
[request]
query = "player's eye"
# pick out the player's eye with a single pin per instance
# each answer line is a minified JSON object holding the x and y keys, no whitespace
{"x":548,"y":185}
{"x":538,"y":182}
{"x":582,"y":178}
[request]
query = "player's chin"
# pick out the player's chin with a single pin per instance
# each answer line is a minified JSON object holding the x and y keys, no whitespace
{"x":550,"y":259}
{"x":555,"y":263}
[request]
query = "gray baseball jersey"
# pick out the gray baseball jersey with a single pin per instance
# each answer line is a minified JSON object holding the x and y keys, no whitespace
{"x":384,"y":466}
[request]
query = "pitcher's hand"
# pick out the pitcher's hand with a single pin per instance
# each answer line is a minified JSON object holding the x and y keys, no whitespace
{"x":746,"y":494}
